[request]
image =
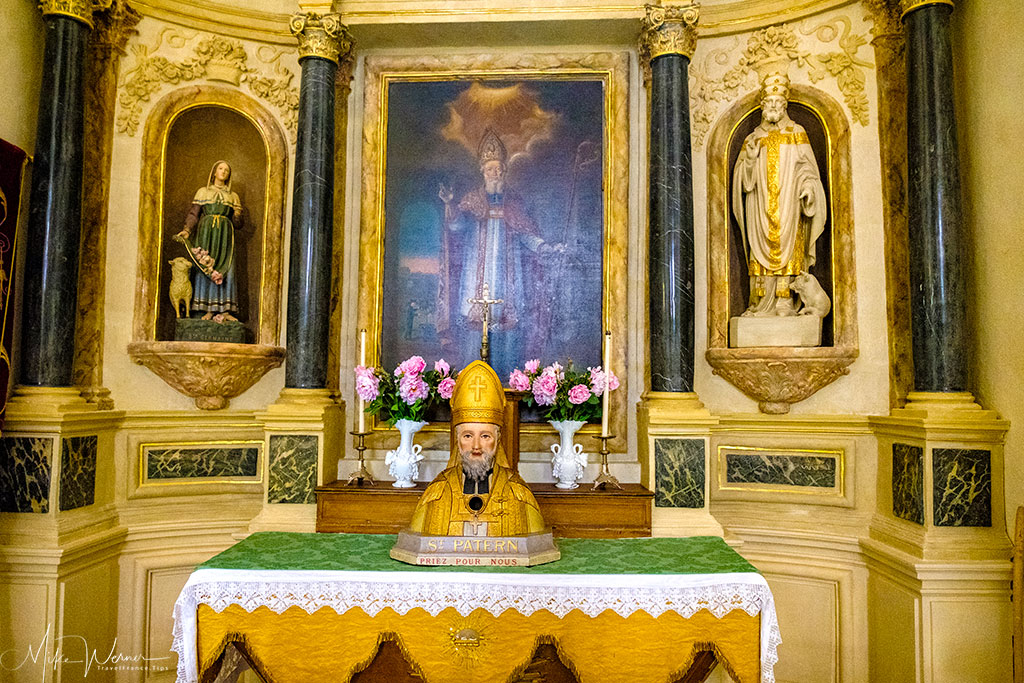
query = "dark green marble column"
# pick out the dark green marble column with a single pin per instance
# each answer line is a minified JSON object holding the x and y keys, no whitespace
{"x":55,"y":209}
{"x":935,"y":225}
{"x":668,"y":41}
{"x":321,"y":38}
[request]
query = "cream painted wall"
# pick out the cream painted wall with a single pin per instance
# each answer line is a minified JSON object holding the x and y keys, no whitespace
{"x":989,"y":67}
{"x":21,"y":52}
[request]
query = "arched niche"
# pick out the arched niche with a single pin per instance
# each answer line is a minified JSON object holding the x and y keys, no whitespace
{"x":777,"y":377}
{"x":187,"y":131}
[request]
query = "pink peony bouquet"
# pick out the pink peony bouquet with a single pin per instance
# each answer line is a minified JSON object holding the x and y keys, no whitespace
{"x":407,"y":392}
{"x":565,"y":393}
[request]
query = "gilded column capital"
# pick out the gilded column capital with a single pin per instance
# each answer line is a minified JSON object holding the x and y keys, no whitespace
{"x":669,"y":29}
{"x":908,"y":6}
{"x":321,"y":35}
{"x":76,"y":9}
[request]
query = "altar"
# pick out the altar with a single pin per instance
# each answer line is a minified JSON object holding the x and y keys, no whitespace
{"x":317,"y":607}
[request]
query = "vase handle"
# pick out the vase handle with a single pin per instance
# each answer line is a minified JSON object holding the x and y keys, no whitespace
{"x":577,"y":449}
{"x":416,"y":449}
{"x":556,"y":449}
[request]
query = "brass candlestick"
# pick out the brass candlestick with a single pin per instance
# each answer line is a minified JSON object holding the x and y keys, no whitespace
{"x":362,"y":472}
{"x":605,"y":478}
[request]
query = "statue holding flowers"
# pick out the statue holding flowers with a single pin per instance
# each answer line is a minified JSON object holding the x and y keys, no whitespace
{"x":214,"y":216}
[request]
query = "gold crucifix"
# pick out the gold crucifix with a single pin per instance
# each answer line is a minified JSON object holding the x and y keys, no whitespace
{"x":486,"y":301}
{"x":476,"y":524}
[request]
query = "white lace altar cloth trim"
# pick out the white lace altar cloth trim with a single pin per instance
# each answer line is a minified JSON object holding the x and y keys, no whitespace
{"x":559,"y":594}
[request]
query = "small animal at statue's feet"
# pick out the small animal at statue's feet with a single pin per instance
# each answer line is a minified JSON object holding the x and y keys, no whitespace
{"x":181,"y":287}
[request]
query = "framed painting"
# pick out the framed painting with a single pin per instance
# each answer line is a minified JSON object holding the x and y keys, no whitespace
{"x":484,"y":176}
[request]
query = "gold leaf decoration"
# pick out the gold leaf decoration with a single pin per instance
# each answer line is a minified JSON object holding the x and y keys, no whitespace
{"x":214,"y":58}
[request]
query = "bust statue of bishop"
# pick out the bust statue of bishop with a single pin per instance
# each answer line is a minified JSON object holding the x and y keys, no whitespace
{"x":478,"y":494}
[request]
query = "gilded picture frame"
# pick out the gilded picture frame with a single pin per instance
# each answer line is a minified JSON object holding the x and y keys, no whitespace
{"x":457,"y":73}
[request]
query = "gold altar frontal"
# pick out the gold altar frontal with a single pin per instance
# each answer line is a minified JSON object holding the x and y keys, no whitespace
{"x":295,"y":646}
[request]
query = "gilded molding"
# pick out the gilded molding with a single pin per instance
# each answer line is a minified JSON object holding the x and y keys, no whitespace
{"x":76,"y":9}
{"x":612,"y":67}
{"x":669,"y":30}
{"x":151,"y":188}
{"x":909,"y":6}
{"x":214,"y":58}
{"x":321,"y":35}
{"x":778,"y":48}
{"x":209,"y":372}
{"x":778,"y":377}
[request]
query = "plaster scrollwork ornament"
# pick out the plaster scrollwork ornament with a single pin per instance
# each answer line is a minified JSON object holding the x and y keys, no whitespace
{"x":321,"y":35}
{"x":669,"y":29}
{"x":76,"y":9}
{"x":214,"y":58}
{"x":780,"y":45}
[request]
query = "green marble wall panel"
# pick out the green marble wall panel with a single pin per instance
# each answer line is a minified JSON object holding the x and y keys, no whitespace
{"x":292,"y":468}
{"x":78,"y":472}
{"x":908,"y":482}
{"x":201,"y":462}
{"x":679,"y":473}
{"x":962,"y":487}
{"x":25,"y":467}
{"x":782,"y":469}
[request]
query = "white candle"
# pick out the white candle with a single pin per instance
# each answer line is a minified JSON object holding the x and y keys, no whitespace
{"x":362,"y":361}
{"x":607,"y":370}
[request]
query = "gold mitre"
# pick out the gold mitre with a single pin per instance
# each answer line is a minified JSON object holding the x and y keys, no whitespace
{"x":491,"y":148}
{"x":775,"y":84}
{"x":478,"y":396}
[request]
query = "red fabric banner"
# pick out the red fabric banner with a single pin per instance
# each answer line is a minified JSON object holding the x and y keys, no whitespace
{"x":12,"y":168}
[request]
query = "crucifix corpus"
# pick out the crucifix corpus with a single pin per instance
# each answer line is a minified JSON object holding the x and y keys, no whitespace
{"x":486,"y":301}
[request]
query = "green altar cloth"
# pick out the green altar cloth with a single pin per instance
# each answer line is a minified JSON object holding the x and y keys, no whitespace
{"x":276,"y":550}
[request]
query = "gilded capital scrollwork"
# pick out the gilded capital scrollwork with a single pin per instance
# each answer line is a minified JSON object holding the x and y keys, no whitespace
{"x":669,"y":29}
{"x":321,"y":35}
{"x":910,"y":5}
{"x":114,"y":26}
{"x":76,"y":9}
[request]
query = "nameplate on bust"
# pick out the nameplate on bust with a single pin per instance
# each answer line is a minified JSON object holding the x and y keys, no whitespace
{"x":475,"y":551}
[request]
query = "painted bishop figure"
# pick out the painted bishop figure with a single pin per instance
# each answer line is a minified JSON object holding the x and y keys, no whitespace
{"x":478,"y":494}
{"x":779,"y":203}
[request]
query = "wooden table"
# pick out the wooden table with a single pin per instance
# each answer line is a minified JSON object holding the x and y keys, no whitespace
{"x":580,"y":513}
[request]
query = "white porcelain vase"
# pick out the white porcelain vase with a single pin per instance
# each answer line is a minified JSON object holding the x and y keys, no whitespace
{"x":404,"y":462}
{"x":569,"y":462}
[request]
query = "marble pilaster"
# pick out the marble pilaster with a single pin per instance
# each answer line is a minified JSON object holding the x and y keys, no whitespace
{"x":667,"y":43}
{"x":322,"y":38}
{"x":55,"y":205}
{"x":303,"y":427}
{"x":938,"y":247}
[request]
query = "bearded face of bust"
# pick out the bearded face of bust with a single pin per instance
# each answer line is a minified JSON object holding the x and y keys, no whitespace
{"x":478,"y":442}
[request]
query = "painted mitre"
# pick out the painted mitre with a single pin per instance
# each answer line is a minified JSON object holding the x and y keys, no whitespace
{"x":492,"y":149}
{"x":478,"y":397}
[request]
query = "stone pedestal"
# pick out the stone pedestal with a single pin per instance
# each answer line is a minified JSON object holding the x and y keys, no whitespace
{"x":304,"y":440}
{"x":938,"y":550}
{"x":675,"y":431}
{"x":797,"y":330}
{"x":59,"y":532}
